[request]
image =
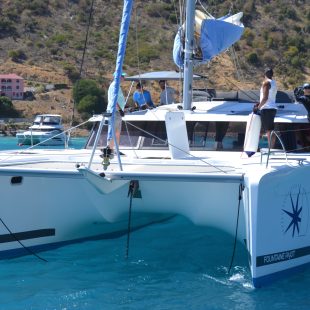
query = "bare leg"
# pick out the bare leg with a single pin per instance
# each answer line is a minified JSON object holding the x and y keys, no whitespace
{"x":271,"y":141}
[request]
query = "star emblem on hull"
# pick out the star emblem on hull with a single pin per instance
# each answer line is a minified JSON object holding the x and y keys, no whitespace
{"x":294,"y":215}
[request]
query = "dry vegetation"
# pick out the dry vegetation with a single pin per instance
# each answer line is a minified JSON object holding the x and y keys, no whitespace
{"x":42,"y":40}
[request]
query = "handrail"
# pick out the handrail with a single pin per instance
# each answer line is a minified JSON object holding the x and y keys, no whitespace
{"x":269,"y":147}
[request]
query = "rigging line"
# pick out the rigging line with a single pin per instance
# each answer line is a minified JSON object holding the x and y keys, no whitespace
{"x":130,"y":141}
{"x":241,"y":188}
{"x":137,"y":41}
{"x":206,"y":11}
{"x":244,"y":92}
{"x":238,"y":64}
{"x":26,"y":248}
{"x":84,"y":51}
{"x":233,"y":57}
{"x":175,"y":11}
{"x":33,"y":146}
{"x":187,"y":153}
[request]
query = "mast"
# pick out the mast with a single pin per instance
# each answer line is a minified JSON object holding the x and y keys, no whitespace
{"x":188,"y":53}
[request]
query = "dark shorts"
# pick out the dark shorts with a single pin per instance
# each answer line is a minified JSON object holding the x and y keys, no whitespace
{"x":267,"y":117}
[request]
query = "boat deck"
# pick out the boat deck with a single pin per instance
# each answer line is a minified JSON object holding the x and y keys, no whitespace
{"x":199,"y":162}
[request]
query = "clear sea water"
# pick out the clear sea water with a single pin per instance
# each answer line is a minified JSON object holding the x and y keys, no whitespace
{"x":171,"y":265}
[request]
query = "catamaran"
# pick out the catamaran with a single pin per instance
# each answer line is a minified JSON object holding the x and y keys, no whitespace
{"x":164,"y":166}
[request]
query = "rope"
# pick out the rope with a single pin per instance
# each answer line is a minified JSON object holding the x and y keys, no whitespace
{"x":129,"y":138}
{"x":241,"y":188}
{"x":132,"y":186}
{"x":33,"y":146}
{"x":16,"y":239}
{"x":254,"y":99}
{"x":83,"y":55}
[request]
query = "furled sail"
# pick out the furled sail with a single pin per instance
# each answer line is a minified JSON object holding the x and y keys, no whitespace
{"x":121,"y":50}
{"x":212,"y":36}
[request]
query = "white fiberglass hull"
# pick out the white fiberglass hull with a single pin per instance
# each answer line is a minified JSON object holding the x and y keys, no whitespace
{"x":273,"y":205}
{"x":49,"y":201}
{"x":277,"y":205}
{"x":45,"y":209}
{"x":33,"y":138}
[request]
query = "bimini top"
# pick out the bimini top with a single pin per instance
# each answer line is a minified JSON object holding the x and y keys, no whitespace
{"x":161,"y":75}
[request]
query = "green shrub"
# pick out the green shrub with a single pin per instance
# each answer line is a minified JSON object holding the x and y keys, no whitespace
{"x":90,"y":105}
{"x":17,"y":55}
{"x":6,"y":107}
{"x":6,"y":28}
{"x":38,"y":7}
{"x":291,"y":52}
{"x":248,"y":35}
{"x":296,"y":62}
{"x":252,"y":58}
{"x":71,"y":72}
{"x":95,"y":97}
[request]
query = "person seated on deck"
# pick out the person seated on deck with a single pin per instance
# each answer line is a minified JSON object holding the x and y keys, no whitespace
{"x":167,"y":93}
{"x":142,"y":98}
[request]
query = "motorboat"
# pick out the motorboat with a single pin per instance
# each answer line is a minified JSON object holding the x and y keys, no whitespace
{"x":46,"y":130}
{"x":164,"y":165}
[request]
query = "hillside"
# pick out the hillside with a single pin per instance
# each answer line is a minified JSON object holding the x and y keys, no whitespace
{"x":43,"y":40}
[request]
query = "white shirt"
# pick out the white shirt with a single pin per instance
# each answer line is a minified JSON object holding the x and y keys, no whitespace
{"x":271,"y":100}
{"x":120,"y":98}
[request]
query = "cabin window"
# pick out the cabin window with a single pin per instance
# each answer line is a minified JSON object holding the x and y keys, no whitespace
{"x":51,"y":120}
{"x":140,"y":135}
{"x":37,"y":120}
{"x":152,"y":135}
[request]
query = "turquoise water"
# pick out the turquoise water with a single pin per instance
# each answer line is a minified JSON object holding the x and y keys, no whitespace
{"x":171,"y":265}
{"x":10,"y":143}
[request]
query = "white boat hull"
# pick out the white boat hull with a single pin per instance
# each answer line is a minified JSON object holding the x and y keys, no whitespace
{"x":278,"y":223}
{"x":52,"y":139}
{"x":274,"y":209}
{"x":45,"y":219}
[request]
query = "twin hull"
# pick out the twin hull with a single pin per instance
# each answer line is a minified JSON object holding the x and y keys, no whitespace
{"x":277,"y":209}
{"x":46,"y":209}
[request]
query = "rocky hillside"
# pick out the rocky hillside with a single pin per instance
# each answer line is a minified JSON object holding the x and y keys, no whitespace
{"x":43,"y":41}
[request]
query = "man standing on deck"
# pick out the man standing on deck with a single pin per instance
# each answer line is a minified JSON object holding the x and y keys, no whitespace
{"x":119,"y":112}
{"x":267,"y":104}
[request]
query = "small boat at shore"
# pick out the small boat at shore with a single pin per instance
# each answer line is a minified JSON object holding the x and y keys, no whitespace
{"x":47,"y":129}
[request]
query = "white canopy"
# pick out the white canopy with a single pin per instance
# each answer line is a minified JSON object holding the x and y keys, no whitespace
{"x":161,"y":75}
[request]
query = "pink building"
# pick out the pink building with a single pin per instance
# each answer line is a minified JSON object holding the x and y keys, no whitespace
{"x":12,"y":86}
